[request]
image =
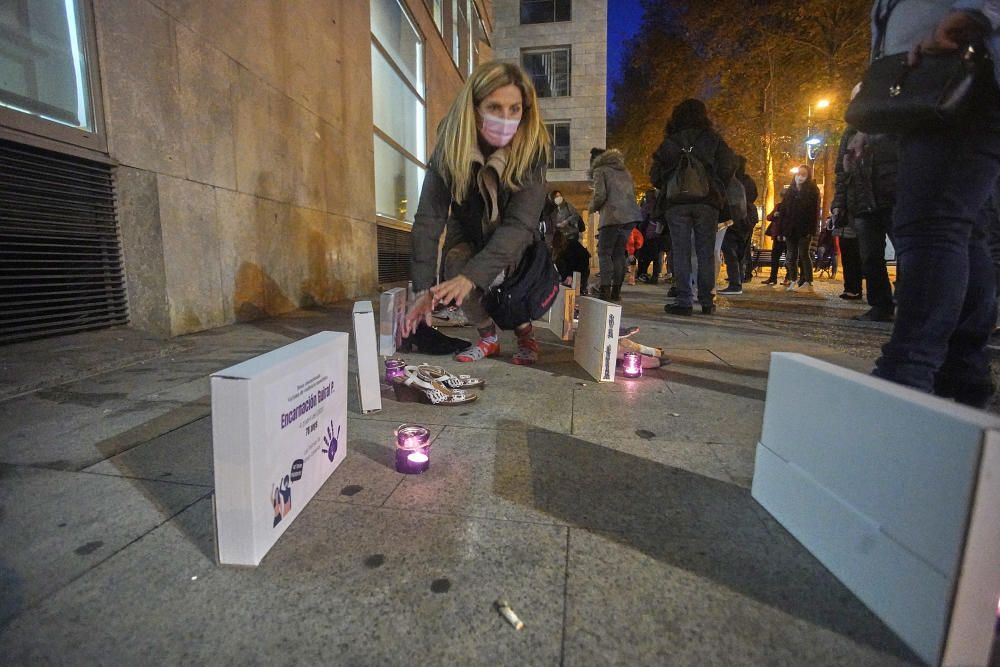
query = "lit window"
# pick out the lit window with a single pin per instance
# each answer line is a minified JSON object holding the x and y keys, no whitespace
{"x":398,"y":110}
{"x":549,"y":70}
{"x":43,"y":63}
{"x":546,"y":11}
{"x":559,"y":134}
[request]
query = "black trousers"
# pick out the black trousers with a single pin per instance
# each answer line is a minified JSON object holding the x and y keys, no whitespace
{"x":872,"y":230}
{"x":850,"y":256}
{"x":777,"y":250}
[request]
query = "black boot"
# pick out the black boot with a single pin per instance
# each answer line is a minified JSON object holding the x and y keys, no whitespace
{"x":604,"y":294}
{"x":616,"y":293}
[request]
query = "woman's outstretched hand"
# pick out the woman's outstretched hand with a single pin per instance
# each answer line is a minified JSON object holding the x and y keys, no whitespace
{"x":456,"y":289}
{"x":419,"y":312}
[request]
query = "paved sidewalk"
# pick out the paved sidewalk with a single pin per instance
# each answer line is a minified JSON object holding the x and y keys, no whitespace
{"x":616,"y":519}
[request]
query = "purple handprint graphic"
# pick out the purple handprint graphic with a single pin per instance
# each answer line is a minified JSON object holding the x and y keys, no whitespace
{"x":330,"y":440}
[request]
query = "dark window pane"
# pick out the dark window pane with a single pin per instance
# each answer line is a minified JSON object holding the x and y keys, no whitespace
{"x":546,"y":11}
{"x":559,"y":133}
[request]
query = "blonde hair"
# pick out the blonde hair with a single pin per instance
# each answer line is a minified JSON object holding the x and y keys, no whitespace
{"x":458,"y":134}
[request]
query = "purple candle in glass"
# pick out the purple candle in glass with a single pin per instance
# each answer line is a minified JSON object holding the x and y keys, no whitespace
{"x":394,"y":368}
{"x":632,"y":365}
{"x":413,"y":449}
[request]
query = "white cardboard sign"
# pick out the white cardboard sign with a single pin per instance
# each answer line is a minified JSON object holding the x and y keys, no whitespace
{"x":595,"y":347}
{"x":369,"y":388}
{"x":279,"y":429}
{"x":900,"y":501}
{"x":392,"y":310}
{"x":559,"y":319}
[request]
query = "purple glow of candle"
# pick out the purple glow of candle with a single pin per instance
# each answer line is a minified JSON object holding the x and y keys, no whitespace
{"x":413,"y":449}
{"x":394,"y":368}
{"x":632,"y":365}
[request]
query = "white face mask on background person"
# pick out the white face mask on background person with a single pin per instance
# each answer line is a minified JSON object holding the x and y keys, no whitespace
{"x":498,"y":132}
{"x":558,"y":201}
{"x":800,"y":180}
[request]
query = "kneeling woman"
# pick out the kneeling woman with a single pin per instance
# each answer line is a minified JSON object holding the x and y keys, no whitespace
{"x":486,"y":187}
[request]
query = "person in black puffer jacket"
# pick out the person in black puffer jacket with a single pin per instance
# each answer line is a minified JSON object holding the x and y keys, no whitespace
{"x":690,"y":131}
{"x":799,"y":211}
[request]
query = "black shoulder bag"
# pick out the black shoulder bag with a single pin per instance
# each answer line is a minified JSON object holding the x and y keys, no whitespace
{"x":897,"y":98}
{"x":528,"y":292}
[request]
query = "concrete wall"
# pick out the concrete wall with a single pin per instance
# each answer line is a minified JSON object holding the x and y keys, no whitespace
{"x":586,"y":107}
{"x":244,"y":131}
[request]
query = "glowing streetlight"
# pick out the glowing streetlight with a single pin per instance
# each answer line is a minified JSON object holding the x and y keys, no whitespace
{"x":814,"y":141}
{"x":823,"y":104}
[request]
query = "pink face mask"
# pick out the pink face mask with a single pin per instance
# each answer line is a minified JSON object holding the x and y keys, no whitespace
{"x":497,"y":131}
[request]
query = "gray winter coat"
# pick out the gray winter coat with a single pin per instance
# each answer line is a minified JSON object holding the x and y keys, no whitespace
{"x":614,"y":190}
{"x":498,"y":246}
{"x":911,"y":21}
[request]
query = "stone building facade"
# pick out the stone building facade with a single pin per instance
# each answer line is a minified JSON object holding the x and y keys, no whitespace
{"x":563,"y":44}
{"x":256,"y":148}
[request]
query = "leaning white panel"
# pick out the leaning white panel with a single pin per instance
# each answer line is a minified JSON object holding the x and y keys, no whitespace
{"x":595,"y":347}
{"x":878,"y":481}
{"x":369,"y":388}
{"x":279,"y":429}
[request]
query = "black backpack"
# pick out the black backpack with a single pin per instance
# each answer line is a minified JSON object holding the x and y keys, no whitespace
{"x":528,"y":292}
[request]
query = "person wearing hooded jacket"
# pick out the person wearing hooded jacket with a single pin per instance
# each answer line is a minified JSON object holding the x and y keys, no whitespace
{"x":614,"y":199}
{"x":945,"y":290}
{"x":690,"y":130}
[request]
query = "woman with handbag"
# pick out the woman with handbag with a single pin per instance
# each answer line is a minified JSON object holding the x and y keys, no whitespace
{"x":945,"y":292}
{"x":485,"y":188}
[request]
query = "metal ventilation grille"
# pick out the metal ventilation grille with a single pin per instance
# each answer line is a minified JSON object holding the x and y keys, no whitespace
{"x":393,"y":255}
{"x":60,"y":260}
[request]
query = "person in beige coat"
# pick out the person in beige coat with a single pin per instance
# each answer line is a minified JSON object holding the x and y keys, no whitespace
{"x":614,"y":200}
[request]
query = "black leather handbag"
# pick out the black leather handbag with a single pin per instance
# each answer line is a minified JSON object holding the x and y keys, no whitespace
{"x":896,"y":98}
{"x":528,"y":292}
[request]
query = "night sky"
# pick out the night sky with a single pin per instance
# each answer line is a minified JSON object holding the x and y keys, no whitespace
{"x":623,"y":22}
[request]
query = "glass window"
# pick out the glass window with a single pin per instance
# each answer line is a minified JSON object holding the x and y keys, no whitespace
{"x":398,"y":36}
{"x":559,"y":134}
{"x":436,"y":8}
{"x":397,"y":182}
{"x":456,"y":43}
{"x":397,"y":111}
{"x":546,"y":11}
{"x":43,"y":64}
{"x":480,"y":41}
{"x":465,"y":36}
{"x":549,"y":70}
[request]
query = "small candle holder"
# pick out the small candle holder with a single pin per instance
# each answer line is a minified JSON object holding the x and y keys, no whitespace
{"x":413,"y":449}
{"x":394,"y":368}
{"x":632,"y":365}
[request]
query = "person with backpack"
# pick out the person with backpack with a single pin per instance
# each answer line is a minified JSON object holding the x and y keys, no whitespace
{"x":799,"y":210}
{"x":614,"y":200}
{"x":485,"y":189}
{"x":692,"y":169}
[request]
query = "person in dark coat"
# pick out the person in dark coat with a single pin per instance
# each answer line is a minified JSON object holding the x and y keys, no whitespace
{"x":654,"y":235}
{"x":872,"y":167}
{"x":843,"y":209}
{"x":485,"y":188}
{"x":737,"y":238}
{"x":799,"y":211}
{"x":689,"y":131}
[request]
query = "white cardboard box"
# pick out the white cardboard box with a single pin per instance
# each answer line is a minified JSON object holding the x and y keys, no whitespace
{"x":279,"y":429}
{"x":595,"y":347}
{"x":896,"y":492}
{"x":559,"y":319}
{"x":369,"y":387}
{"x":392,"y":310}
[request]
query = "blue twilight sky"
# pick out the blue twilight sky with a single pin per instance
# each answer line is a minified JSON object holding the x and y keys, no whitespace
{"x":624,"y":17}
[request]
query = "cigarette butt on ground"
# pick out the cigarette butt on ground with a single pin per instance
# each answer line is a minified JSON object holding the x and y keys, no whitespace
{"x":504,"y":608}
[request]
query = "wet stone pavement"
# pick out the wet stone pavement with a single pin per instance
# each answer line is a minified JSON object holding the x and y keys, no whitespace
{"x":615,"y":519}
